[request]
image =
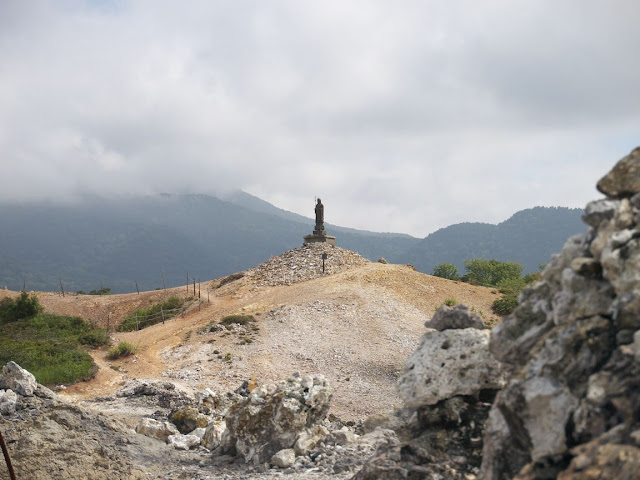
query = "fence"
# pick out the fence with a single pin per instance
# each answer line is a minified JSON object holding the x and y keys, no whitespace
{"x":138,"y":321}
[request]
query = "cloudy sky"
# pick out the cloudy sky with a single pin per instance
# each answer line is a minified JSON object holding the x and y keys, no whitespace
{"x":402,"y":116}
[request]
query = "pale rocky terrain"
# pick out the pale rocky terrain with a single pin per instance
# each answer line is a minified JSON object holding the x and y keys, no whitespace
{"x":356,"y":324}
{"x":338,"y":377}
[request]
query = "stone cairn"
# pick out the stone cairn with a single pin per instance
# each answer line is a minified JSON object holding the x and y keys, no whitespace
{"x":571,"y":407}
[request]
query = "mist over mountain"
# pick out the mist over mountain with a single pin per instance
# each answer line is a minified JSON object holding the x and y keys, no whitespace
{"x":118,"y":242}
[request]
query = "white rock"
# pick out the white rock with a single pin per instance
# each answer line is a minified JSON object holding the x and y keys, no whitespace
{"x":183,"y":442}
{"x":199,"y":432}
{"x":156,"y":429}
{"x":213,"y":434}
{"x":309,"y":439}
{"x":449,"y":363}
{"x":18,"y":379}
{"x":8,"y":399}
{"x":284,"y":458}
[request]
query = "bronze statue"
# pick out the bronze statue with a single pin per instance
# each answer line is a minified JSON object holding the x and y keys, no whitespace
{"x":319,"y":217}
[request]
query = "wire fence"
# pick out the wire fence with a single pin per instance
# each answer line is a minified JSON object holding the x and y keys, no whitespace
{"x":138,"y":321}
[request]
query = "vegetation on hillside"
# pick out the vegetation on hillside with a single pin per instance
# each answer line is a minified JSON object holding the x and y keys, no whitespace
{"x":505,"y":276}
{"x":159,"y":312}
{"x":47,"y":345}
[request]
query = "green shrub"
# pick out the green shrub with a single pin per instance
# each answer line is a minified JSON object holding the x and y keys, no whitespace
{"x":450,"y":302}
{"x":25,"y":306}
{"x":446,"y":270}
{"x":490,"y":272}
{"x":123,"y":349}
{"x":95,"y":338}
{"x":239,"y":319}
{"x":505,"y":305}
{"x":48,"y":346}
{"x":145,"y":317}
{"x":102,"y":291}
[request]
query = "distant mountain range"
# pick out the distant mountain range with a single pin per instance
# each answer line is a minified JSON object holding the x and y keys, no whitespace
{"x":117,"y":243}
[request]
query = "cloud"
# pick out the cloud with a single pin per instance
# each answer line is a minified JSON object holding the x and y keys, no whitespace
{"x":402,"y":117}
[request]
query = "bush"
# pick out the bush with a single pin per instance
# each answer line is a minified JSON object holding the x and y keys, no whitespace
{"x":446,"y":270}
{"x":505,"y":305}
{"x":95,"y":338}
{"x":102,"y":291}
{"x":47,"y":346}
{"x":490,"y":273}
{"x":25,"y":306}
{"x":239,"y":319}
{"x":450,"y":302}
{"x":123,"y":349}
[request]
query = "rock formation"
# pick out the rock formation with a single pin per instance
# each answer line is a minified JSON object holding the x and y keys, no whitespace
{"x":446,"y":386}
{"x":273,"y":416}
{"x":571,"y":407}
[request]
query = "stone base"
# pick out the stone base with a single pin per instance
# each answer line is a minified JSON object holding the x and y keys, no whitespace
{"x":319,"y":239}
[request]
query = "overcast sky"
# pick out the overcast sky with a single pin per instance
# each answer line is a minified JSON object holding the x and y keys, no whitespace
{"x":402,"y":116}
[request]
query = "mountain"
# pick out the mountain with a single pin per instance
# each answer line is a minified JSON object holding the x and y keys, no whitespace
{"x":529,"y":237}
{"x":118,"y":242}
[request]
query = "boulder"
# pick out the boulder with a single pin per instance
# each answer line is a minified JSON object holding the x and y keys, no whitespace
{"x":310,"y":439}
{"x":156,"y":429}
{"x":624,"y":179}
{"x":8,"y":400}
{"x":449,"y":363}
{"x":18,"y":379}
{"x":183,"y":442}
{"x":213,"y":434}
{"x":272,"y":417}
{"x":454,"y":318}
{"x":187,"y":419}
{"x":283,"y":458}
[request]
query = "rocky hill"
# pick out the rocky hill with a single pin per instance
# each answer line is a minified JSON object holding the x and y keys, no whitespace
{"x":335,"y":376}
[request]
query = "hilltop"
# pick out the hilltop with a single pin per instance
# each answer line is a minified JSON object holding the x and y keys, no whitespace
{"x":356,"y":324}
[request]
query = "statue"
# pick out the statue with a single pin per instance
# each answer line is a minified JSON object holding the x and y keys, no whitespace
{"x":319,"y":234}
{"x":319,"y":217}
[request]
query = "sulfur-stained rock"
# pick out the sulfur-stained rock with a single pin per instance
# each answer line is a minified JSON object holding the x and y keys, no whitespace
{"x":187,"y":419}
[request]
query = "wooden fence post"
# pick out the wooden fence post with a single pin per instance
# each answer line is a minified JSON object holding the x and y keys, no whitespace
{"x":162,"y":313}
{"x":61,"y":287}
{"x":137,"y":289}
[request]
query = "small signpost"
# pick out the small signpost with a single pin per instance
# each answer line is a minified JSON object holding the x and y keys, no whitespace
{"x":324,"y":257}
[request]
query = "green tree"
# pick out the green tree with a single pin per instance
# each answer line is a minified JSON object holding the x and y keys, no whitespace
{"x":446,"y":270}
{"x":491,"y":273}
{"x":25,"y":306}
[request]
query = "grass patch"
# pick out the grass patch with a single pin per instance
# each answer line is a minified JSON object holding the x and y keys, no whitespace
{"x":450,"y":302}
{"x":123,"y":349}
{"x":239,"y":319}
{"x":145,"y":317}
{"x":49,"y":347}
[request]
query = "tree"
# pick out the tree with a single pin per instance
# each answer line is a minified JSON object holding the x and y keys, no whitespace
{"x":491,"y":273}
{"x":446,"y":270}
{"x":24,"y":306}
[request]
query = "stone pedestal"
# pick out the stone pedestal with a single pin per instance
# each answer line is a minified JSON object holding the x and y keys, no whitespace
{"x":315,"y":238}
